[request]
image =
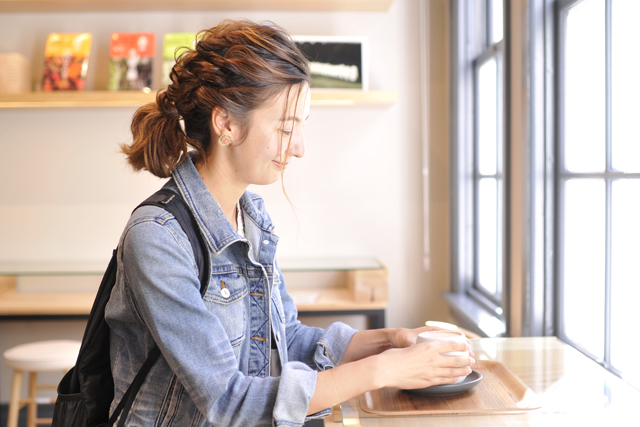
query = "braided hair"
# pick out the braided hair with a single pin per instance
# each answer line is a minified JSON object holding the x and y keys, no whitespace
{"x":237,"y":66}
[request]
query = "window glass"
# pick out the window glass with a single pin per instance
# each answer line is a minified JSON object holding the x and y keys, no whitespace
{"x":625,"y":277}
{"x":497,"y":20}
{"x":477,"y":8}
{"x":488,"y":235}
{"x":583,"y":255}
{"x":625,"y":90}
{"x":488,"y":117}
{"x":584,"y":85}
{"x":598,"y":229}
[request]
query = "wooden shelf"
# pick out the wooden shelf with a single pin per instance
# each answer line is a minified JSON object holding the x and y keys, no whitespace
{"x":187,"y":5}
{"x":75,"y":99}
{"x":134,"y":99}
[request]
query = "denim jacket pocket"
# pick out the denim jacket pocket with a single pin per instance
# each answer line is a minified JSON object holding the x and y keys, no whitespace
{"x":225,"y":299}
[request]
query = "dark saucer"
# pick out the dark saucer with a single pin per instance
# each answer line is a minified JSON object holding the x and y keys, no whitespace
{"x":472,"y":380}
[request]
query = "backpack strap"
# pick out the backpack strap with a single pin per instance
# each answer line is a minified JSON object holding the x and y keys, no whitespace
{"x":130,"y":395}
{"x":173,"y":203}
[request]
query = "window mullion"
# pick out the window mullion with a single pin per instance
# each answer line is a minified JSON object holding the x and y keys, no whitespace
{"x":607,"y":269}
{"x":488,"y":29}
{"x":609,"y":184}
{"x":608,"y":94}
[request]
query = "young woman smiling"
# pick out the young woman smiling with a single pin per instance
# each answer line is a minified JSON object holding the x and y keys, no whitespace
{"x":233,"y":116}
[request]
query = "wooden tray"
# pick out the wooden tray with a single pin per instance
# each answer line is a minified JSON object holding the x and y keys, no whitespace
{"x":499,"y":391}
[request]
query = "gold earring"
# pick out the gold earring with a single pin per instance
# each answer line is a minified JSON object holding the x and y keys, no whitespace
{"x":225,"y":140}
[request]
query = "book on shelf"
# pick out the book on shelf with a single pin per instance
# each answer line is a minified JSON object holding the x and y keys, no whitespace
{"x":173,"y":45}
{"x":15,"y":73}
{"x":131,"y":61}
{"x":336,"y":62}
{"x":66,"y":61}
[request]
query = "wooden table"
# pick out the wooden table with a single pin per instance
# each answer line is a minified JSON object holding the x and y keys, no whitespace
{"x":573,"y":391}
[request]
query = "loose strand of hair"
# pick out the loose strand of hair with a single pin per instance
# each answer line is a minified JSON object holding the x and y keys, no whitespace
{"x":284,"y":190}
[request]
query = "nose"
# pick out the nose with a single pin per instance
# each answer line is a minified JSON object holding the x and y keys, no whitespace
{"x":297,"y":145}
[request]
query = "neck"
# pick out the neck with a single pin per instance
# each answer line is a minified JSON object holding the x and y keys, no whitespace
{"x":223,"y":190}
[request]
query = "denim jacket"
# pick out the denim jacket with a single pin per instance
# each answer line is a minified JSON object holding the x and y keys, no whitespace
{"x":214,"y":368}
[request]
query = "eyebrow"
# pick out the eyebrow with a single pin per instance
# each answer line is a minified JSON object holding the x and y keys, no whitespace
{"x":288,"y":118}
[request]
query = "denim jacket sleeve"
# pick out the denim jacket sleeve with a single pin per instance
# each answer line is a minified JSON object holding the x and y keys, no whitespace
{"x":319,"y":349}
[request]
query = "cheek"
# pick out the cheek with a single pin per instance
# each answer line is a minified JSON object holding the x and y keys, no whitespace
{"x":277,"y":147}
{"x":284,"y":145}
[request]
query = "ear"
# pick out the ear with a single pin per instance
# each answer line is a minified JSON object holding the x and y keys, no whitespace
{"x":220,"y":121}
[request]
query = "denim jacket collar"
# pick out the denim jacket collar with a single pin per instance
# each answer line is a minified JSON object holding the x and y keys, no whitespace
{"x":217,"y":229}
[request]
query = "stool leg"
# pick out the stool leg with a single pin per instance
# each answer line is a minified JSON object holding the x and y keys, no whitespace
{"x":14,"y":403}
{"x":32,"y":410}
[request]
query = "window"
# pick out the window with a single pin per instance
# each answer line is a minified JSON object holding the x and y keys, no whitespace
{"x":598,"y":180}
{"x":488,"y":174}
{"x":479,"y":249}
{"x":581,"y":195}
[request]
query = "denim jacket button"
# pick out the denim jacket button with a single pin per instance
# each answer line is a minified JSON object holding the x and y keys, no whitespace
{"x":278,"y":336}
{"x":265,"y":242}
{"x":225,"y":293}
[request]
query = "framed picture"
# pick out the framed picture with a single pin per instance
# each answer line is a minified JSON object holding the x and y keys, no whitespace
{"x":336,"y":62}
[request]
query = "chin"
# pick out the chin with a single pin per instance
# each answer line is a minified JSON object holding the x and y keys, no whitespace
{"x":267,"y":181}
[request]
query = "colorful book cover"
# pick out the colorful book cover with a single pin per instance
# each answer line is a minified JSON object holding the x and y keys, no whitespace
{"x":131,"y":61}
{"x":173,"y":42}
{"x":66,"y":61}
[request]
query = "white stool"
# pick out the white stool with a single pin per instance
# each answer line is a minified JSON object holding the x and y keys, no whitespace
{"x":41,"y":356}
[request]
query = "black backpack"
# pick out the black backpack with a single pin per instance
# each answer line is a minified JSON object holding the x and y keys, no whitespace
{"x":85,"y":392}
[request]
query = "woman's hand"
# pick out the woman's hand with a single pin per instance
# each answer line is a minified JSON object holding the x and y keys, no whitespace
{"x":422,"y":365}
{"x":401,"y":337}
{"x":375,"y":341}
{"x":379,"y":358}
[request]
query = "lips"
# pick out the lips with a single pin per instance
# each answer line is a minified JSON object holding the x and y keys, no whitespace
{"x":279,"y":165}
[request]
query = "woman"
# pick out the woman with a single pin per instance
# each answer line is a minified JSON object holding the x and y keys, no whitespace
{"x":232,"y":117}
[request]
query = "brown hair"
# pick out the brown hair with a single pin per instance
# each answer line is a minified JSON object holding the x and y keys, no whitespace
{"x":237,"y":66}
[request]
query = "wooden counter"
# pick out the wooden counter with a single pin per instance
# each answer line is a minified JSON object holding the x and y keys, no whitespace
{"x":572,"y":389}
{"x":14,"y":303}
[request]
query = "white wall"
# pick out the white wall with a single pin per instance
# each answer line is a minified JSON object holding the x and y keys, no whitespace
{"x":65,"y":192}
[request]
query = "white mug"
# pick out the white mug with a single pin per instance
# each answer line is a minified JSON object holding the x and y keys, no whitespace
{"x":431,"y":336}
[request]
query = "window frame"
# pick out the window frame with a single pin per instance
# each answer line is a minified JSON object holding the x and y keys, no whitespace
{"x":539,"y":293}
{"x":470,"y":304}
{"x":493,"y":301}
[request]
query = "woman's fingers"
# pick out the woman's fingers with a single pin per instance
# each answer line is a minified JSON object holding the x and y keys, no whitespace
{"x":451,"y":346}
{"x":453,"y":372}
{"x":440,"y":376}
{"x":427,"y":364}
{"x":458,"y":361}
